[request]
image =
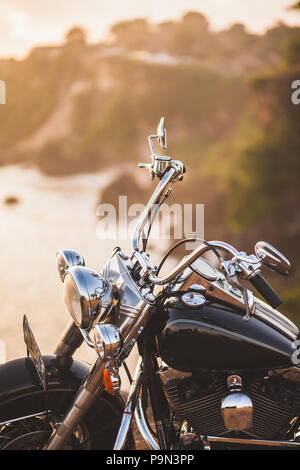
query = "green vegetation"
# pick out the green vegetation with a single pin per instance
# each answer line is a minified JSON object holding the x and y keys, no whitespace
{"x":291,"y":50}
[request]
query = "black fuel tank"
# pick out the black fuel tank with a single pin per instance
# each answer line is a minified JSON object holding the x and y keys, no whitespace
{"x":215,"y":337}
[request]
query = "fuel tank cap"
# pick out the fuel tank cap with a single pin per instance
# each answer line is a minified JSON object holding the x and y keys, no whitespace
{"x":193,"y":299}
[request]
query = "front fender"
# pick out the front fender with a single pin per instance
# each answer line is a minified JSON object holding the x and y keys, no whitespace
{"x":22,"y":394}
{"x":19,"y":377}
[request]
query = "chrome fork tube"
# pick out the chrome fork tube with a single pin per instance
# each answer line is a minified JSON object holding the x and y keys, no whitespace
{"x":143,"y":427}
{"x":129,"y":408}
{"x":70,"y":340}
{"x":84,"y":398}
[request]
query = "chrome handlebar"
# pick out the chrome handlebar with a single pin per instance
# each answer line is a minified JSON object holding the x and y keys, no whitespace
{"x":169,"y":174}
{"x":199,"y":251}
{"x":168,"y":171}
{"x":246,"y":266}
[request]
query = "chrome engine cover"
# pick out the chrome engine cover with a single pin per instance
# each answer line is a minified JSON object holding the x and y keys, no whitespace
{"x":197,"y":399}
{"x":236,"y":406}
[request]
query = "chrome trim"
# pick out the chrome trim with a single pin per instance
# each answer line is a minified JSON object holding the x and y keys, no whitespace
{"x":41,"y":413}
{"x":236,"y":406}
{"x":162,"y":133}
{"x":65,"y":259}
{"x":193,"y":299}
{"x":274,"y":318}
{"x":129,"y":408}
{"x":188,"y":437}
{"x":107,"y":341}
{"x":256,"y":442}
{"x":234,"y":383}
{"x":89,"y":290}
{"x":143,"y":428}
{"x":86,"y":337}
{"x":272,"y":258}
{"x":169,"y":174}
{"x":199,"y":251}
{"x":128,"y":311}
{"x":222,"y":290}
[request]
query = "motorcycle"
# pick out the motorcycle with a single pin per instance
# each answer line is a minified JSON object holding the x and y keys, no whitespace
{"x":216,"y":364}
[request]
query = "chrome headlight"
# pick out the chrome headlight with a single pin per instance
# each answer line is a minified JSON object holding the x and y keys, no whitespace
{"x":85,"y":290}
{"x":65,"y":259}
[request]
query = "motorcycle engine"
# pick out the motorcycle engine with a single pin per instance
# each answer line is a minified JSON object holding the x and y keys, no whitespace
{"x":197,"y":397}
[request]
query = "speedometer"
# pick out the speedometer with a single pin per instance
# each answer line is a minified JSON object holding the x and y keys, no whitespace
{"x":205,"y":269}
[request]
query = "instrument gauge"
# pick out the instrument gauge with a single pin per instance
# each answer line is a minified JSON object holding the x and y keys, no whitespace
{"x":204,"y":269}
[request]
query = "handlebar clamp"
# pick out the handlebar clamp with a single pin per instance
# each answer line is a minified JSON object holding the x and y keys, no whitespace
{"x":160,"y":164}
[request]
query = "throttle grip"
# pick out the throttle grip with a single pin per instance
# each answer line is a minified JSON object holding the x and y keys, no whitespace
{"x":268,"y":293}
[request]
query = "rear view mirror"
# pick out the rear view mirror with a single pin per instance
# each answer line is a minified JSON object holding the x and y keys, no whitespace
{"x":161,"y":133}
{"x":272,"y":258}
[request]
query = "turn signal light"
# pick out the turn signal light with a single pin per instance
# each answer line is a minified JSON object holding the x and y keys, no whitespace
{"x":111,"y":382}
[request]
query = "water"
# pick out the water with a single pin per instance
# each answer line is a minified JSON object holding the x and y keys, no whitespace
{"x":52,"y":213}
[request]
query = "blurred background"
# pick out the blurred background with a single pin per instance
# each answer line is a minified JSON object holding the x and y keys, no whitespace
{"x":87,"y":82}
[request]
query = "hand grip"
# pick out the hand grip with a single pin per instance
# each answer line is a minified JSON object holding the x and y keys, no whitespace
{"x":266,"y":290}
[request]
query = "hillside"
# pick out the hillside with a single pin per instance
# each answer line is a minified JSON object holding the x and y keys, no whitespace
{"x":226,"y":97}
{"x":79,"y":107}
{"x":73,"y":109}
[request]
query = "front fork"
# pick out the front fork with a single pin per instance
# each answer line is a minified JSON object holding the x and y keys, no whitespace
{"x":131,"y":403}
{"x":70,"y":340}
{"x":84,"y":399}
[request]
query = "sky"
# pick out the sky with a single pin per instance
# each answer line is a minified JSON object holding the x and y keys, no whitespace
{"x":27,"y":23}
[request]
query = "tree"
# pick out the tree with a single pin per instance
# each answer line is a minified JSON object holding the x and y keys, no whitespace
{"x":196,"y":20}
{"x":76,"y":35}
{"x":191,"y":36}
{"x":132,"y":34}
{"x":291,"y":50}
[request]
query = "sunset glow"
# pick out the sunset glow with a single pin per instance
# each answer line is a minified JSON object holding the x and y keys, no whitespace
{"x":24,"y":25}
